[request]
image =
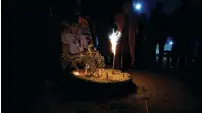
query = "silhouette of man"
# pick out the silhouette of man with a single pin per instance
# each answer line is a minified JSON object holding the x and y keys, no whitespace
{"x":141,"y":39}
{"x":158,"y":24}
{"x":184,"y":34}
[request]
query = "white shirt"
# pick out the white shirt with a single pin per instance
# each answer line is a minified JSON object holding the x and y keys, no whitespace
{"x":74,"y":46}
{"x":85,"y":37}
{"x":79,"y":43}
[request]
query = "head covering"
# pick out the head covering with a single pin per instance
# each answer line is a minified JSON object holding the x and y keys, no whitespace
{"x":83,"y":22}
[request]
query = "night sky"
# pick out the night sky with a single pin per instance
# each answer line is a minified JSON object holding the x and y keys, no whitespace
{"x":168,"y":5}
{"x":106,"y":8}
{"x":148,"y":5}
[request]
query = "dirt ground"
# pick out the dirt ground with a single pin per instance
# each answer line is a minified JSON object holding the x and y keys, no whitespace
{"x":163,"y":94}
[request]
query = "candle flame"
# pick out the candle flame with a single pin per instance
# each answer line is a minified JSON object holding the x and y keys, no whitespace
{"x":76,"y":73}
{"x":114,"y":37}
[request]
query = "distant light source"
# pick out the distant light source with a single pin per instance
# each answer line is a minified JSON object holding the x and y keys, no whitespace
{"x":97,"y":42}
{"x":170,"y":42}
{"x":138,"y":6}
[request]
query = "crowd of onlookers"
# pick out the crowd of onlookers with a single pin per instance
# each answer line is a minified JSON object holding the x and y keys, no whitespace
{"x":183,"y":25}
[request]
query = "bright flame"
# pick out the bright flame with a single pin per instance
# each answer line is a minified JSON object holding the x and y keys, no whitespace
{"x":76,"y":73}
{"x":114,"y":37}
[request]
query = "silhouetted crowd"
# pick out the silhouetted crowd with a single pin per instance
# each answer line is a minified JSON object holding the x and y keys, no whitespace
{"x":142,"y":34}
{"x":183,"y":25}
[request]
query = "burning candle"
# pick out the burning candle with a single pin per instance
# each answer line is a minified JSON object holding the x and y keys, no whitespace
{"x":76,"y":73}
{"x":86,"y":69}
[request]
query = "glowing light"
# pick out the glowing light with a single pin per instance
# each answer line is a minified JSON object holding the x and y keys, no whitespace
{"x":170,"y":42}
{"x":97,"y":42}
{"x":138,"y":6}
{"x":76,"y":73}
{"x":114,"y":37}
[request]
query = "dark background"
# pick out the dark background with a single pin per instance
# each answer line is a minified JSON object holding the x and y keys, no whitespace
{"x":31,"y":45}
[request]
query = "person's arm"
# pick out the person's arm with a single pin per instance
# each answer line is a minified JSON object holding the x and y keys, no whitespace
{"x":62,"y":38}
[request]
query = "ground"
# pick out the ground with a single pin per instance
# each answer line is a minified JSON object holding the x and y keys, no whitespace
{"x":164,"y":94}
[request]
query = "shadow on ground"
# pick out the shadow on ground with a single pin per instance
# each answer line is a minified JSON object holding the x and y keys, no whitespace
{"x":164,"y":94}
{"x":85,"y":90}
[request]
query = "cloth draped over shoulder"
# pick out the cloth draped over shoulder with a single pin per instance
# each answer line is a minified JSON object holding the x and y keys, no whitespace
{"x":120,"y":21}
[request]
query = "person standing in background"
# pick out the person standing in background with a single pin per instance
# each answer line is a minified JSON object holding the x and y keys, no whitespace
{"x":141,"y":41}
{"x":185,"y":33}
{"x":87,"y":27}
{"x":127,"y":24}
{"x":158,"y":31}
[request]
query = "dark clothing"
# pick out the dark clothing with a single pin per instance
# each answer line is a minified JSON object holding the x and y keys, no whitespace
{"x":102,"y":31}
{"x":198,"y":34}
{"x":158,"y":23}
{"x":125,"y":36}
{"x":140,"y":46}
{"x":158,"y":33}
{"x":123,"y":59}
{"x":184,"y":35}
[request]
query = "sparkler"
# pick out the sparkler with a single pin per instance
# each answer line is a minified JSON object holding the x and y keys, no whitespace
{"x":114,"y":37}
